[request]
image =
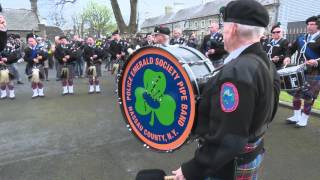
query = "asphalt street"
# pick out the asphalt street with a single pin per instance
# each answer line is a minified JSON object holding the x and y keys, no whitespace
{"x":84,"y":137}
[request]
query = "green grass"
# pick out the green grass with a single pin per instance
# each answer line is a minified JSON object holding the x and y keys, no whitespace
{"x":284,"y":96}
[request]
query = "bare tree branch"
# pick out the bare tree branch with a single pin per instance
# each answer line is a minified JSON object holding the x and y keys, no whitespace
{"x":63,"y":2}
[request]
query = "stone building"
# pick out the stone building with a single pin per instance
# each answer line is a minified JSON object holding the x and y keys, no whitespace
{"x":25,"y":21}
{"x":290,"y":13}
{"x":198,"y":18}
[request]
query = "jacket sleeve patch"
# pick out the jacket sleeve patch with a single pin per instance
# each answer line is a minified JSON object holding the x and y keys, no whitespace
{"x":229,"y":97}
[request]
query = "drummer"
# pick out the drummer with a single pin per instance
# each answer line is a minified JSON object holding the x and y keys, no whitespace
{"x":278,"y":46}
{"x":161,"y":35}
{"x":308,"y":48}
{"x":231,"y":120}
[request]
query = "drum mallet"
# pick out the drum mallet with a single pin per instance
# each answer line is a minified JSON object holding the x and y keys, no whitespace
{"x":153,"y":174}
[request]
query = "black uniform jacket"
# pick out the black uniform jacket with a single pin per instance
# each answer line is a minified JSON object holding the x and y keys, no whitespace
{"x":3,"y":39}
{"x":117,"y":48}
{"x":215,"y":43}
{"x":90,"y":51}
{"x":61,"y":52}
{"x":279,"y":49}
{"x":177,"y":41}
{"x":225,"y":134}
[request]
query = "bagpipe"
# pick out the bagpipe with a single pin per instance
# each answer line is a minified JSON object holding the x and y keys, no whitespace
{"x":65,"y":73}
{"x":4,"y":70}
{"x":4,"y":74}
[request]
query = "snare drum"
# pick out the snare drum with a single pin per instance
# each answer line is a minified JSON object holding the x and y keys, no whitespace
{"x":158,"y":91}
{"x":292,"y":78}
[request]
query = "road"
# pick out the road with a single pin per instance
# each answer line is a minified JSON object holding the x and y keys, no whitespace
{"x":84,"y":137}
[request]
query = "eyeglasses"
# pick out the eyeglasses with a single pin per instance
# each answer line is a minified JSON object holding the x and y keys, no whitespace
{"x":274,"y":32}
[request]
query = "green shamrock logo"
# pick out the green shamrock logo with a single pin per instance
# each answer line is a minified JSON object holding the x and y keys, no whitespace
{"x":151,"y":98}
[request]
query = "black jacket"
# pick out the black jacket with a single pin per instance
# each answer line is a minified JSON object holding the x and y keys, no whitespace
{"x":216,"y":43}
{"x":61,"y":52}
{"x":225,"y":132}
{"x":278,"y":49}
{"x":90,"y":51}
{"x":3,"y":39}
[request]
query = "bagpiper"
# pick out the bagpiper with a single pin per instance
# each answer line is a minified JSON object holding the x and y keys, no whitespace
{"x":92,"y":56}
{"x":35,"y":57}
{"x":65,"y":58}
{"x":8,"y":56}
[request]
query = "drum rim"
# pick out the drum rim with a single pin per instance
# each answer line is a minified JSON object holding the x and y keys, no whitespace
{"x":188,"y":130}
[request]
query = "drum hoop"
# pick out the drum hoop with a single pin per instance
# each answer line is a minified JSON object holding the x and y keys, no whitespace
{"x":183,"y":138}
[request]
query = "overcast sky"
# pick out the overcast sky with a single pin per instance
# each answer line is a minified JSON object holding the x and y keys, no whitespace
{"x":147,"y":8}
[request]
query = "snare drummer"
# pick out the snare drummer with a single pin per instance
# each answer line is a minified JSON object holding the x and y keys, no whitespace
{"x":277,"y":48}
{"x":238,"y":103}
{"x":308,"y":48}
{"x":35,"y":57}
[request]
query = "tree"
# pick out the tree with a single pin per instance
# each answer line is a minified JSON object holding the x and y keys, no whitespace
{"x":99,"y":18}
{"x":131,"y":28}
{"x":57,"y":19}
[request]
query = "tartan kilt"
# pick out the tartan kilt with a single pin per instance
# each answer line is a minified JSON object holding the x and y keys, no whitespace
{"x":29,"y":71}
{"x":249,"y":171}
{"x":98,"y":69}
{"x":70,"y":68}
{"x":311,"y":90}
{"x":11,"y":72}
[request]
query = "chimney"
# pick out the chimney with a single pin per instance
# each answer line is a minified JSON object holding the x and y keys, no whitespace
{"x":168,"y":10}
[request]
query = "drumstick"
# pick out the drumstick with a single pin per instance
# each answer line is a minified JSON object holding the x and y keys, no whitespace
{"x":285,"y":66}
{"x":169,"y":177}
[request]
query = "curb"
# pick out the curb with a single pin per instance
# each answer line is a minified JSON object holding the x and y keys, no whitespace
{"x":314,"y":112}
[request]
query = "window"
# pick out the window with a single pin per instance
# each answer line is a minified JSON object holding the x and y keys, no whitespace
{"x":195,"y":24}
{"x":202,"y":23}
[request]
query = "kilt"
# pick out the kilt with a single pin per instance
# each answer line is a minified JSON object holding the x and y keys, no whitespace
{"x":98,"y":69}
{"x":70,"y":68}
{"x":311,"y":90}
{"x":250,"y":170}
{"x":29,"y":71}
{"x":11,"y":72}
{"x":46,"y":64}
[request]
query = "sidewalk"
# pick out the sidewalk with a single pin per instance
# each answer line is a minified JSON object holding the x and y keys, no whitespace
{"x":314,"y":112}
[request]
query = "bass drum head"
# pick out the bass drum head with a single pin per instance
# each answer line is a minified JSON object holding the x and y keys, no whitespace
{"x":157,"y":99}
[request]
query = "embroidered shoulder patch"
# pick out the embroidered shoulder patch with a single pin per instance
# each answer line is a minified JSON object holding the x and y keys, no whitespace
{"x":229,"y":97}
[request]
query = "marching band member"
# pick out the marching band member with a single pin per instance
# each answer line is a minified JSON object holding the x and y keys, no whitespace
{"x":161,"y":35}
{"x":237,"y":104}
{"x":93,"y":55}
{"x":148,"y":40}
{"x":117,"y":49}
{"x":8,"y":56}
{"x":308,"y":48}
{"x":177,"y":39}
{"x":35,"y":57}
{"x":212,"y":45}
{"x":278,"y":46}
{"x":65,"y":57}
{"x":192,"y":41}
{"x":3,"y":32}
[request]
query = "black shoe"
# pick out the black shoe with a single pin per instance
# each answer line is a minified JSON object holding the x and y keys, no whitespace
{"x":19,"y":82}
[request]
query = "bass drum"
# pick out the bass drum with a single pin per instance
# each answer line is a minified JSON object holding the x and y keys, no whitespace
{"x":158,"y":91}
